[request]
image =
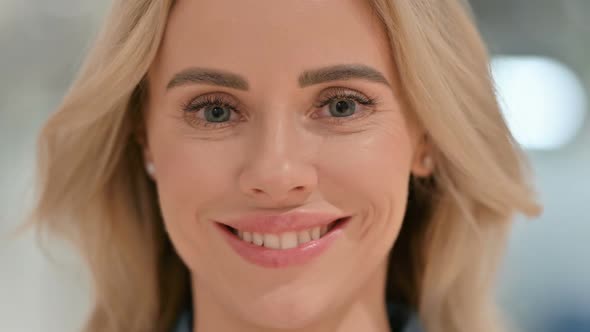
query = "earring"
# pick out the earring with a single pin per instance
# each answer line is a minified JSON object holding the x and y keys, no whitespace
{"x":150,"y":168}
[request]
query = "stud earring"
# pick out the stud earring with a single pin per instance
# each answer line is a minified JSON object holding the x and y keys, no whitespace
{"x":150,"y":168}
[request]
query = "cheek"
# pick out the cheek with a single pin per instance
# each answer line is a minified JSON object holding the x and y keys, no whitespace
{"x":191,"y":173}
{"x":368,"y":173}
{"x":194,"y":178}
{"x":371,"y":166}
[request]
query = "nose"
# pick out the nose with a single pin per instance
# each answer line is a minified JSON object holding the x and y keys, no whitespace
{"x":278,"y":170}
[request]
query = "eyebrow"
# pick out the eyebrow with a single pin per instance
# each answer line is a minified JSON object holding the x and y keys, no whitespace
{"x":340,"y":73}
{"x":198,"y":75}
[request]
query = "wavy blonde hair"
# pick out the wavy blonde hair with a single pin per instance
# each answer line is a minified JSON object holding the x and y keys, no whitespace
{"x":93,"y":189}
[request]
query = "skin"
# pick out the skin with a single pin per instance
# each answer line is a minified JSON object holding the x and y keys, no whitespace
{"x":281,"y":152}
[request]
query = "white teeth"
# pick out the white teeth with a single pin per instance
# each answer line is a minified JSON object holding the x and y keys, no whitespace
{"x":285,"y":240}
{"x":289,"y":240}
{"x":272,"y":241}
{"x":315,"y":233}
{"x":247,"y":236}
{"x":257,"y":239}
{"x":303,"y":237}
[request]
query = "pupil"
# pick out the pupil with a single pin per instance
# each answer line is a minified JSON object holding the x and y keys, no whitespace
{"x":342,"y":108}
{"x":217,"y":114}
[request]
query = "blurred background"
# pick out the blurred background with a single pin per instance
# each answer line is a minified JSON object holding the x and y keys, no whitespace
{"x":541,"y":64}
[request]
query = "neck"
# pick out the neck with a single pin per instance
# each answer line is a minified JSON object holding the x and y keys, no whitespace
{"x":365,"y":312}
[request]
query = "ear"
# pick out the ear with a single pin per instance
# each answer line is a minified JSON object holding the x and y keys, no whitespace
{"x":423,"y":161}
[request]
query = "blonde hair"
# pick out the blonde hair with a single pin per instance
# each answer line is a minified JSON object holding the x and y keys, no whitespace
{"x":93,"y":189}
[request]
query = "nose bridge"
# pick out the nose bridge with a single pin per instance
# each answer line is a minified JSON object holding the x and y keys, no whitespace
{"x":276,"y":137}
{"x":278,"y":168}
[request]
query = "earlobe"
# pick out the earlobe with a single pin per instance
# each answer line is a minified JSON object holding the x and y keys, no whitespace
{"x":423,"y":164}
{"x":427,"y":162}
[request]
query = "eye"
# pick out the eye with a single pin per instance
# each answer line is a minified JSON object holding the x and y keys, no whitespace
{"x":344,"y":105}
{"x":216,"y":113}
{"x":211,"y":111}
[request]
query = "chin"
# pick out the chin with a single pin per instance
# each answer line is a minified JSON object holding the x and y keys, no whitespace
{"x":285,"y":311}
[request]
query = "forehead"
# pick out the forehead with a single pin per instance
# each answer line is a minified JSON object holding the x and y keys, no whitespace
{"x":272,"y":40}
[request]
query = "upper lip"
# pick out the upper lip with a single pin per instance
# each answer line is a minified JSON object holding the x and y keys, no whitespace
{"x":280,"y":223}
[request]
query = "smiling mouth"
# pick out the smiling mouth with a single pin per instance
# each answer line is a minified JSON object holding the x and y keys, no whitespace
{"x":286,"y":240}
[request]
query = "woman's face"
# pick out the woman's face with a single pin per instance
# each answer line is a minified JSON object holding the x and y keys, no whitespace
{"x":274,"y":108}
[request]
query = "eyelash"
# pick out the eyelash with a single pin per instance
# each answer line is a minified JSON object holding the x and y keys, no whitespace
{"x":348,"y":94}
{"x":197,"y":104}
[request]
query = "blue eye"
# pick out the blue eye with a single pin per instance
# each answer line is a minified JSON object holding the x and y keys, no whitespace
{"x":210,"y":111}
{"x":217,"y":114}
{"x":343,"y":108}
{"x":344,"y":105}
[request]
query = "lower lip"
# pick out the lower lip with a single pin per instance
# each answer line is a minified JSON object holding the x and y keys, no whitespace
{"x":278,"y":258}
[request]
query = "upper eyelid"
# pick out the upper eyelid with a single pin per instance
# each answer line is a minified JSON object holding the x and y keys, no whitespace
{"x":344,"y":93}
{"x":224,"y":98}
{"x":340,"y":90}
{"x":236,"y":104}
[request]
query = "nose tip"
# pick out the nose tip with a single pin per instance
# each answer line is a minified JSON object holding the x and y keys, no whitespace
{"x":279,"y":167}
{"x":272,"y":183}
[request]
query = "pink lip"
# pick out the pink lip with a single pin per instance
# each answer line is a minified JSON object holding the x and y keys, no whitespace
{"x":278,"y":258}
{"x":276,"y":224}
